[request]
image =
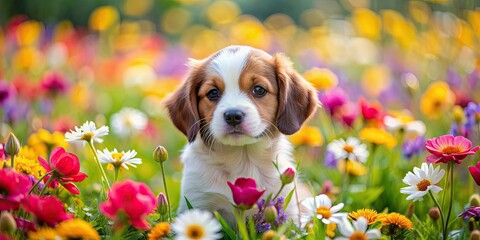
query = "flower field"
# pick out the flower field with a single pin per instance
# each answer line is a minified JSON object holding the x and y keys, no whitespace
{"x":88,"y":150}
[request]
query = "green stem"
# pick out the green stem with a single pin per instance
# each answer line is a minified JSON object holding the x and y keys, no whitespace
{"x":99,"y":165}
{"x":166,"y":192}
{"x":240,"y":215}
{"x":278,"y":193}
{"x":450,"y":184}
{"x":345,"y":181}
{"x":371,"y":166}
{"x":46,"y":185}
{"x":38,"y":181}
{"x":12,"y":161}
{"x":116,"y":173}
{"x":441,"y":212}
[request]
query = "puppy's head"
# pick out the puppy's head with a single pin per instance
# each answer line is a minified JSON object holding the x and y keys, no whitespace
{"x":239,"y":95}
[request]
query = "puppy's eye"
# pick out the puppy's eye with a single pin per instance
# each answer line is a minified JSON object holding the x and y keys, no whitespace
{"x":213,"y":94}
{"x":259,"y":91}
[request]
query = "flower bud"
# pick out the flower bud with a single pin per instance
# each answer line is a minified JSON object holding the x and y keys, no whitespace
{"x":160,"y":154}
{"x":162,"y":204}
{"x":269,"y":235}
{"x":287,"y":176}
{"x":270,"y":214}
{"x":7,"y":223}
{"x":475,"y":235}
{"x":474,"y":200}
{"x":12,"y":146}
{"x":458,"y":114}
{"x":434,"y":213}
{"x":410,"y":210}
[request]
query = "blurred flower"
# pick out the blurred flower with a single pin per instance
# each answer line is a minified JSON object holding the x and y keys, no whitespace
{"x":333,"y":100}
{"x":7,"y":223}
{"x":437,"y":99}
{"x":307,"y":135}
{"x":7,"y":92}
{"x":404,"y":123}
{"x":472,"y":114}
{"x":353,"y":168}
{"x":47,"y":210}
{"x":357,"y":231}
{"x":434,"y":213}
{"x":371,"y":110}
{"x":321,"y":208}
{"x":375,"y":80}
{"x":119,"y":159}
{"x":321,"y":78}
{"x":14,"y":187}
{"x":63,"y":124}
{"x":330,"y":160}
{"x":43,"y":233}
{"x":261,"y":223}
{"x":54,"y":83}
{"x":377,"y":136}
{"x":27,"y":59}
{"x":76,"y":229}
{"x":413,"y":147}
{"x":159,"y":231}
{"x":348,"y":113}
{"x":471,"y":212}
{"x":102,"y":18}
{"x":196,"y":224}
{"x":367,"y":23}
{"x":223,"y":12}
{"x":448,"y":148}
{"x":475,"y":172}
{"x":329,"y":189}
{"x":88,"y":131}
{"x":139,"y":74}
{"x":369,"y":214}
{"x":66,"y":170}
{"x":250,"y":31}
{"x":129,"y":201}
{"x":351,"y":149}
{"x":422,"y":181}
{"x":245,"y":193}
{"x":128,"y":122}
{"x":43,"y":141}
{"x":28,"y":33}
{"x":395,"y":224}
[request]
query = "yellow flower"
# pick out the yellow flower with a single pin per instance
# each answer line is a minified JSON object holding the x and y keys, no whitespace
{"x":375,"y":80}
{"x":398,"y":220}
{"x":103,"y":18}
{"x":159,"y":231}
{"x":26,"y":59}
{"x":249,"y":31}
{"x":27,"y":162}
{"x":371,"y":215}
{"x":377,"y":136}
{"x":43,"y":234}
{"x":354,"y":168}
{"x":43,"y":141}
{"x":175,"y":19}
{"x":321,"y":78}
{"x":76,"y":229}
{"x":307,"y":135}
{"x":330,"y":232}
{"x":28,"y":33}
{"x":437,"y":99}
{"x":223,"y":12}
{"x":367,"y":23}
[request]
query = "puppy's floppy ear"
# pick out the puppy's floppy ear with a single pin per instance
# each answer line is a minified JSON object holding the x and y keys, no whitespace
{"x":182,"y":105}
{"x":297,"y":99}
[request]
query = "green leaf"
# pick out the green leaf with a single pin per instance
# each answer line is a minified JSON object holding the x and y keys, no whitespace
{"x":288,"y":199}
{"x":230,"y":234}
{"x":251,"y":228}
{"x":189,"y":205}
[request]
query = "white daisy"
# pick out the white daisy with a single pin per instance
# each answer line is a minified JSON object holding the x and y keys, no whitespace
{"x":196,"y":224}
{"x":88,"y":131}
{"x":118,"y":159}
{"x":128,"y":121}
{"x":422,"y":181}
{"x":351,"y":149}
{"x":357,"y":231}
{"x":321,"y":208}
{"x":411,"y":128}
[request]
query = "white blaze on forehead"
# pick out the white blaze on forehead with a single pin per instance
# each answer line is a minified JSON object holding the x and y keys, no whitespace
{"x":229,"y":64}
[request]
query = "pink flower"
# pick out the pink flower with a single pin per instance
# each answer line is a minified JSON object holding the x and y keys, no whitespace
{"x":54,"y":83}
{"x":334,"y":99}
{"x":448,"y":148}
{"x":130,"y":199}
{"x":47,"y":210}
{"x":245,"y":192}
{"x":287,"y":176}
{"x":13,"y":189}
{"x":475,"y":172}
{"x":371,"y":110}
{"x":66,"y":169}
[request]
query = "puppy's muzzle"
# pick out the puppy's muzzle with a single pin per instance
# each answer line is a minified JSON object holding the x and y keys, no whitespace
{"x":233,"y":117}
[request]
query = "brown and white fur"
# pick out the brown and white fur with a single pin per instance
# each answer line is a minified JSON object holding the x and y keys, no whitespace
{"x":220,"y":150}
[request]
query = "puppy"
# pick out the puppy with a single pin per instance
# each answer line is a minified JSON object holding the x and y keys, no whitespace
{"x":235,"y":107}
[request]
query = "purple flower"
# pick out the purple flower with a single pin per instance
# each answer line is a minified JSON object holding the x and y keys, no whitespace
{"x":453,"y":78}
{"x":472,"y":211}
{"x":261,"y":223}
{"x":413,"y":147}
{"x":334,"y":99}
{"x":472,"y":114}
{"x":330,"y":160}
{"x":6,"y":92}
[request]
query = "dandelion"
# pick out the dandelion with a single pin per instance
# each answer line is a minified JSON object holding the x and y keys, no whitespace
{"x":321,"y":208}
{"x":159,"y":231}
{"x":44,"y":141}
{"x":196,"y":224}
{"x":76,"y":229}
{"x":357,"y":231}
{"x":369,"y":214}
{"x":128,"y":121}
{"x":87,"y":132}
{"x":43,"y":233}
{"x":448,"y":149}
{"x":321,"y":78}
{"x":351,"y":149}
{"x":437,"y":99}
{"x":422,"y":181}
{"x":396,"y":225}
{"x":307,"y":135}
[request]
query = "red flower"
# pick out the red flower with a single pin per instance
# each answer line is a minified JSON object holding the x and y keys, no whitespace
{"x":54,"y":83}
{"x":13,"y":189}
{"x":245,"y":193}
{"x":371,"y":110}
{"x":130,"y":199}
{"x":448,"y":148}
{"x":66,"y":169}
{"x":47,"y":210}
{"x":475,"y":172}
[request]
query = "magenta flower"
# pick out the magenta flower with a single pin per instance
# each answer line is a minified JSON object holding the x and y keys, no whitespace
{"x":287,"y":176}
{"x":245,"y":192}
{"x":66,"y":169}
{"x":129,"y":201}
{"x":13,"y":188}
{"x":448,"y":148}
{"x":54,"y":83}
{"x":47,"y":210}
{"x":333,"y":100}
{"x":472,"y":211}
{"x":475,"y":172}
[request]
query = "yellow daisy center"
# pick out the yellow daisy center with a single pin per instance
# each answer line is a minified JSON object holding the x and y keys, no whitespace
{"x":348,"y":148}
{"x":117,"y":156}
{"x":195,"y":231}
{"x":423,"y":185}
{"x":357,"y":235}
{"x":324,"y":211}
{"x":87,"y":136}
{"x":451,"y":149}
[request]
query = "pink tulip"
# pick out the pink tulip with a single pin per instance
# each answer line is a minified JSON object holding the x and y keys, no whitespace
{"x":287,"y":176}
{"x":448,"y":148}
{"x":475,"y":172}
{"x":245,"y":192}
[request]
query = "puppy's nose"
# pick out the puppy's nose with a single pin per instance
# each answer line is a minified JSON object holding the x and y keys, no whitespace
{"x":233,"y":117}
